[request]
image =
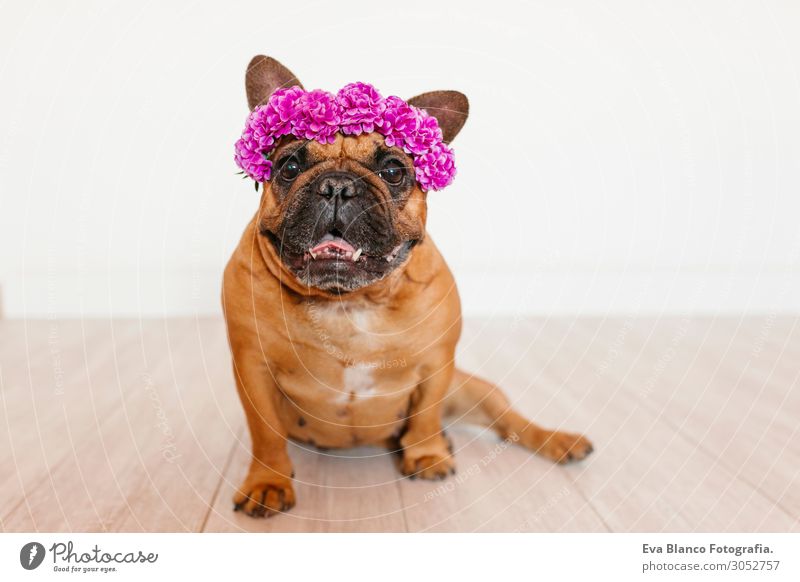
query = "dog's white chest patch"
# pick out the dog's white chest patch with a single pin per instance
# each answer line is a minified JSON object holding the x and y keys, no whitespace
{"x":361,"y":319}
{"x":358,"y":381}
{"x":346,"y":330}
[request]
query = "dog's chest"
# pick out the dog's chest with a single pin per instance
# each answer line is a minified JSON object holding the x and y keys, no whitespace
{"x":358,"y":382}
{"x":347,"y":333}
{"x":350,"y":351}
{"x":353,"y":382}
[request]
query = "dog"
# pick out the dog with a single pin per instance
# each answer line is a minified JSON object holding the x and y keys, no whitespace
{"x":336,"y":352}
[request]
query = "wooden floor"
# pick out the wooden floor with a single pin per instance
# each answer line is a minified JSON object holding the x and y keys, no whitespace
{"x":135,"y":426}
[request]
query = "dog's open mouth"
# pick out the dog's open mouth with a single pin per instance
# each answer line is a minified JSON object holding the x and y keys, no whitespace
{"x":334,"y":253}
{"x":332,"y":247}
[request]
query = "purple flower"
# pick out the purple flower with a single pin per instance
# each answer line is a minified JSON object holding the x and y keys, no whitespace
{"x":361,"y":107}
{"x":252,"y":161}
{"x":435,"y":169}
{"x":398,"y":121}
{"x":424,"y":136}
{"x":265,"y":125}
{"x":357,"y":108}
{"x":316,"y":117}
{"x":283,"y":104}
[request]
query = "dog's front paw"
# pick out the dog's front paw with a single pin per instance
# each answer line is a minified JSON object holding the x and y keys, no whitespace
{"x":264,"y":494}
{"x":429,"y":460}
{"x":434,"y":467}
{"x":562,"y":447}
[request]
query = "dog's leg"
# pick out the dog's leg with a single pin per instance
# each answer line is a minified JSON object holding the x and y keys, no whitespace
{"x":475,"y":400}
{"x":426,"y":450}
{"x":267,"y":489}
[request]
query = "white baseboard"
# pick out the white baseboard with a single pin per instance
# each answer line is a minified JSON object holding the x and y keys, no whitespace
{"x":175,"y":294}
{"x":644,"y":293}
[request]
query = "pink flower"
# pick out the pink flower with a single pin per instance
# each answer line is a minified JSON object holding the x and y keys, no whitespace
{"x":361,"y":108}
{"x":357,"y":108}
{"x":435,"y":169}
{"x":316,"y":117}
{"x":252,"y":161}
{"x":424,"y":136}
{"x":398,"y":121}
{"x":265,"y":125}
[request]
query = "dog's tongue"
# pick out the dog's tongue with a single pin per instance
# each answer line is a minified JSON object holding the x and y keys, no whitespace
{"x":332,"y":247}
{"x":330,"y":242}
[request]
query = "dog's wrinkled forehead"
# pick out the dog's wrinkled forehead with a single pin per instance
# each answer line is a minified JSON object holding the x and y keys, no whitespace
{"x":364,"y":149}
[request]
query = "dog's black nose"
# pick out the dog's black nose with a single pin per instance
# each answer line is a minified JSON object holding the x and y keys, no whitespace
{"x":338,"y":184}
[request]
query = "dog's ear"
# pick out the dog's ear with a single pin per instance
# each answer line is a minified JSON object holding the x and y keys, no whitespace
{"x":450,"y":108}
{"x":264,"y":75}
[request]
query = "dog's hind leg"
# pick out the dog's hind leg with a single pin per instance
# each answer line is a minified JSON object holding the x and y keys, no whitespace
{"x":474,"y":400}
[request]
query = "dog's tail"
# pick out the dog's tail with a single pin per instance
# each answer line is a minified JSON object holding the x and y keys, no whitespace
{"x":472,"y":399}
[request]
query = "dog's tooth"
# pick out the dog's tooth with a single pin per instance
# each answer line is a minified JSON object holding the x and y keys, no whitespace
{"x":313,"y":254}
{"x":356,"y":255}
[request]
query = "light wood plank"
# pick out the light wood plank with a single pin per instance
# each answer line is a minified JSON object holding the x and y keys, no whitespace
{"x":118,"y":428}
{"x":736,"y":402}
{"x":695,"y":422}
{"x":660,"y":478}
{"x":51,"y":406}
{"x":499,"y":486}
{"x":337,"y":491}
{"x":203,"y":411}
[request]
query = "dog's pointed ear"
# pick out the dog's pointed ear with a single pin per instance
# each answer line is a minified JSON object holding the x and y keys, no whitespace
{"x":450,"y":108}
{"x":264,"y":75}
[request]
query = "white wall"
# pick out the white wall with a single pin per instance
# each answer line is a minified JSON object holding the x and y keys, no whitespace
{"x":620,"y":156}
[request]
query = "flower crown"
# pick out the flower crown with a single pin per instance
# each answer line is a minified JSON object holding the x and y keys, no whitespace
{"x":357,"y":108}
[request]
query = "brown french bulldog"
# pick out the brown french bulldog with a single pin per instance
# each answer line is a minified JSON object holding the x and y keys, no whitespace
{"x":335,"y":351}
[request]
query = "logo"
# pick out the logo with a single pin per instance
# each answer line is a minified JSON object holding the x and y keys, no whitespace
{"x":31,"y":555}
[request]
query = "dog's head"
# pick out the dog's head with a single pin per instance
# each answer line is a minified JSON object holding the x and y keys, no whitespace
{"x":341,"y":216}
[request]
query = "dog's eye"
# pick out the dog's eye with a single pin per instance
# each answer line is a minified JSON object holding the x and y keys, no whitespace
{"x":290,"y":169}
{"x":393,"y":172}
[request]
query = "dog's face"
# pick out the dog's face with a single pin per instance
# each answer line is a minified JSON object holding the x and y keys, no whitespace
{"x":342,"y":216}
